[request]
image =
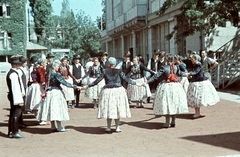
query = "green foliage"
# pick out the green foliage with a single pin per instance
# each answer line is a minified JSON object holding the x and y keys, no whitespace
{"x":201,"y":15}
{"x":16,"y":26}
{"x":77,"y":33}
{"x":41,"y":12}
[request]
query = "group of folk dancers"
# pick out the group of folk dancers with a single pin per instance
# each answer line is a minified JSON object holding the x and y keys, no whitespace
{"x":111,"y":88}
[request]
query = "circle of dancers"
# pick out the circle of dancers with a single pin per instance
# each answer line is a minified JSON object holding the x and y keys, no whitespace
{"x":49,"y":88}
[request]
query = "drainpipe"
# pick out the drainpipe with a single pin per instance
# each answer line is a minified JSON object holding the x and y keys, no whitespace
{"x":146,"y":20}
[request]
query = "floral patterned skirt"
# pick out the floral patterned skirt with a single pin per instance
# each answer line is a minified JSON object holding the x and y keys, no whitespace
{"x":33,"y":96}
{"x":202,"y":93}
{"x":53,"y":107}
{"x":113,"y":103}
{"x":137,"y":93}
{"x":170,"y":99}
{"x":94,"y":91}
{"x":68,"y":92}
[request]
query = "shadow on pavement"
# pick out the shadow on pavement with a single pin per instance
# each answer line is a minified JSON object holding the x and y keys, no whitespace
{"x":37,"y":130}
{"x":88,"y":130}
{"x":145,"y":125}
{"x":85,"y":105}
{"x":226,"y":140}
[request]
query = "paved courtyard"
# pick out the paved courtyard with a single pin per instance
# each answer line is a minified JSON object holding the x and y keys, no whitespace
{"x":214,"y":135}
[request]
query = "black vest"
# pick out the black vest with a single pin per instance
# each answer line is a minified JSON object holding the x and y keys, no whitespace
{"x":9,"y":84}
{"x":24,"y":80}
{"x":153,"y":64}
{"x":77,"y":72}
{"x":126,"y":66}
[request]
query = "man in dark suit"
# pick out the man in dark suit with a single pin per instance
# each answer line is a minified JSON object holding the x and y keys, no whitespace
{"x":15,"y":96}
{"x":126,"y":65}
{"x":78,"y":73}
{"x":22,"y":75}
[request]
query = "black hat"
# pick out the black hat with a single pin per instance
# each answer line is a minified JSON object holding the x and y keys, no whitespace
{"x":103,"y":54}
{"x":15,"y":59}
{"x":156,"y":52}
{"x":33,"y":59}
{"x":127,"y":54}
{"x":23,"y":59}
{"x":76,"y":56}
{"x":50,"y":55}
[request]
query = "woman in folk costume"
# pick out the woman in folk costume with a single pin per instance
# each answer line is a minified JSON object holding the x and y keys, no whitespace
{"x":201,"y":92}
{"x":113,"y":101}
{"x":54,"y":107}
{"x":136,"y":93}
{"x":94,"y":72}
{"x":182,"y":66}
{"x":170,"y":97}
{"x":64,"y":70}
{"x":36,"y":88}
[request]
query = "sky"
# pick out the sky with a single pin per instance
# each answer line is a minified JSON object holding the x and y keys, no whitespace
{"x":92,"y":8}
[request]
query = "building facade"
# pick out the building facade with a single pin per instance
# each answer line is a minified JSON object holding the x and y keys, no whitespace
{"x":132,"y":25}
{"x":13,"y":35}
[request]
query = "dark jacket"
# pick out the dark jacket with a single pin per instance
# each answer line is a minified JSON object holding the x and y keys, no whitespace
{"x":112,"y":78}
{"x":56,"y":79}
{"x":126,"y":66}
{"x":197,"y":73}
{"x":94,"y":73}
{"x":164,"y":72}
{"x":136,"y":71}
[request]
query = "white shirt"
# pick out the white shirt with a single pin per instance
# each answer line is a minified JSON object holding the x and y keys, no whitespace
{"x":16,"y":89}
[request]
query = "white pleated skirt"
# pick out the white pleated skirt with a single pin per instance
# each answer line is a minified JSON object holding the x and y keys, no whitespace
{"x":94,"y":91}
{"x":113,"y":104}
{"x":202,"y":93}
{"x":137,"y":93}
{"x":33,"y":96}
{"x":53,"y":107}
{"x":68,"y":92}
{"x":170,"y":99}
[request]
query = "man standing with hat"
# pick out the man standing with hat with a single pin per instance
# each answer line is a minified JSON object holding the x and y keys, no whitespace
{"x":78,"y":72}
{"x":22,"y":71}
{"x":15,"y":96}
{"x":103,"y":60}
{"x":153,"y":65}
{"x":49,"y":57}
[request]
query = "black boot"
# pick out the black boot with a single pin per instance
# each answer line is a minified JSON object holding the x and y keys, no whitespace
{"x":148,"y":100}
{"x":15,"y":133}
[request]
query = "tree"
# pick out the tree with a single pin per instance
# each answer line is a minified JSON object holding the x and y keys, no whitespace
{"x":41,"y":11}
{"x":201,"y":15}
{"x":77,"y":33}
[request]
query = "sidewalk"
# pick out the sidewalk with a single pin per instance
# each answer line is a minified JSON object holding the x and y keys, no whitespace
{"x":217,"y":134}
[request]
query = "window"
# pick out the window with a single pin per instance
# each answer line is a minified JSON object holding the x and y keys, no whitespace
{"x":5,"y":9}
{"x":1,"y":9}
{"x":5,"y":40}
{"x":3,"y":59}
{"x":8,"y":9}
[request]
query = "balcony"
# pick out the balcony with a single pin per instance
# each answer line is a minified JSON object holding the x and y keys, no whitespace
{"x":119,"y":21}
{"x":137,"y":11}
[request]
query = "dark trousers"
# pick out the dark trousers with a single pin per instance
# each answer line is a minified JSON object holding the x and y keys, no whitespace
{"x":77,"y":94}
{"x":23,"y":109}
{"x":15,"y":113}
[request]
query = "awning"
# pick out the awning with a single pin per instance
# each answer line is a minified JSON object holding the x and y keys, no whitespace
{"x":31,"y":47}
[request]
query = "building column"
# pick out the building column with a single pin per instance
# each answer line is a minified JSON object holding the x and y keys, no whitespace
{"x":122,"y":40}
{"x":106,"y":47}
{"x":113,"y":48}
{"x":150,"y":50}
{"x":134,"y":43}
